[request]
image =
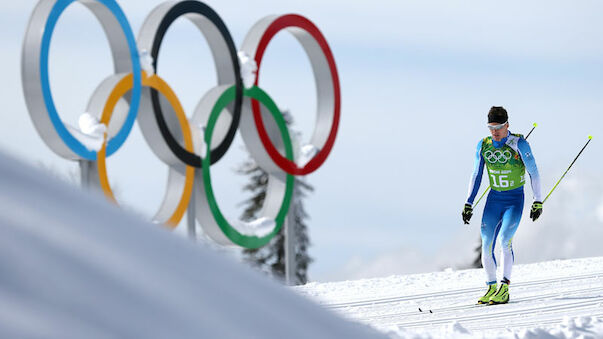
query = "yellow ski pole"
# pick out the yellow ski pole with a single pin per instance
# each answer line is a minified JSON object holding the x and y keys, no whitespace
{"x":590,"y":137}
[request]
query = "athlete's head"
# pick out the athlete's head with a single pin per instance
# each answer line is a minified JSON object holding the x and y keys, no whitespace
{"x":498,"y":122}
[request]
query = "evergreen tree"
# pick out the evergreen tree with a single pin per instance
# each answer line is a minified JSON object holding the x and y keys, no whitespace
{"x":300,"y":230}
{"x":271,"y":257}
{"x":477,"y":262}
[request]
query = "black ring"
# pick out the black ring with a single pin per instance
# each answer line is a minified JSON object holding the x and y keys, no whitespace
{"x":174,"y":13}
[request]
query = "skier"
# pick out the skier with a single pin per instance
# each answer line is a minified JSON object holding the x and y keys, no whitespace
{"x":506,"y":157}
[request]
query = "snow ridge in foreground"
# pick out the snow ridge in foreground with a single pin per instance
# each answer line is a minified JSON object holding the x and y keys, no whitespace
{"x":74,"y":266}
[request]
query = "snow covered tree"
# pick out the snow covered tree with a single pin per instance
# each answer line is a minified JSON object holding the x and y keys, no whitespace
{"x":300,"y":230}
{"x":271,"y":257}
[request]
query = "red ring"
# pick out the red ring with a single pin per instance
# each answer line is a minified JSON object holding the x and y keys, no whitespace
{"x":293,"y":20}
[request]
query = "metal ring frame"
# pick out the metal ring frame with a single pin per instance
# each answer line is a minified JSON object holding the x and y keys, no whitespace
{"x":163,"y":123}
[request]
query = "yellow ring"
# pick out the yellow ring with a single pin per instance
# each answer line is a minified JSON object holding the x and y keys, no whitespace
{"x":155,"y":82}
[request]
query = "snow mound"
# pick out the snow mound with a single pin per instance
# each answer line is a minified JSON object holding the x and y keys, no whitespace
{"x":74,"y":266}
{"x":90,"y":125}
{"x":91,"y":132}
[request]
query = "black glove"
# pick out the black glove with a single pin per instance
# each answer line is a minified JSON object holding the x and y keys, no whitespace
{"x":467,"y":213}
{"x":536,"y":210}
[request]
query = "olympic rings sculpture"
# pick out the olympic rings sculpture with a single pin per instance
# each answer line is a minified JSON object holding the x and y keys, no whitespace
{"x":189,"y":148}
{"x":498,"y":156}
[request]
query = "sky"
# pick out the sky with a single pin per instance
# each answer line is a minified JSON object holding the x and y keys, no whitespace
{"x":417,"y":80}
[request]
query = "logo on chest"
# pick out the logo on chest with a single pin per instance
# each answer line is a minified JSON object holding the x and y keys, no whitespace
{"x":498,"y":156}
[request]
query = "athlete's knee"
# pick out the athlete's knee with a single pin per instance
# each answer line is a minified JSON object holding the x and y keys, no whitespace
{"x":487,"y":245}
{"x":506,"y":243}
{"x":488,"y":237}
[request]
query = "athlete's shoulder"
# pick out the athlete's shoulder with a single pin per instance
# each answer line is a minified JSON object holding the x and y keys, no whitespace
{"x":514,"y":139}
{"x":483,"y":143}
{"x":523,"y":143}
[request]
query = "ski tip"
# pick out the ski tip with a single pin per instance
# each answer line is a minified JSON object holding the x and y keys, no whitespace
{"x":590,"y":137}
{"x":535,"y":125}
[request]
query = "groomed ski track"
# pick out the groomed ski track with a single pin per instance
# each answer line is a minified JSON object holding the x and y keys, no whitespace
{"x":544,"y":295}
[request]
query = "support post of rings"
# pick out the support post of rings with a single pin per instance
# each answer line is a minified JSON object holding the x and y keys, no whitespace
{"x":85,"y":177}
{"x":290,"y":264}
{"x":190,"y":219}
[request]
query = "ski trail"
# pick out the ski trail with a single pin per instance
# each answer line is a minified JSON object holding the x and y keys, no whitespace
{"x":422,"y":296}
{"x":470,"y":304}
{"x":512,"y":312}
{"x":542,"y":302}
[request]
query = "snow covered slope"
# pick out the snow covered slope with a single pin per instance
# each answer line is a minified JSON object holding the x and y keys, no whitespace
{"x":74,"y":266}
{"x":557,"y":299}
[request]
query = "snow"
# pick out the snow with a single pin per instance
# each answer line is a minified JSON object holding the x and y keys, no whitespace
{"x":555,"y":299}
{"x":248,"y":69}
{"x":90,"y":125}
{"x":307,"y":152}
{"x":199,"y":139}
{"x":91,"y":132}
{"x":75,"y":266}
{"x":259,"y":227}
{"x":146,"y":62}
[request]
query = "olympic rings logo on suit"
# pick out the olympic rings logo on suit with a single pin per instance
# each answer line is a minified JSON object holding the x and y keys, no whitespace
{"x":189,"y":148}
{"x":498,"y":156}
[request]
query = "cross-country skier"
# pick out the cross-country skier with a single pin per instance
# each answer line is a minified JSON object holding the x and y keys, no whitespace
{"x":506,"y":156}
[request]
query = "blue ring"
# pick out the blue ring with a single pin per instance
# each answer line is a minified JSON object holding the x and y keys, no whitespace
{"x":114,"y":143}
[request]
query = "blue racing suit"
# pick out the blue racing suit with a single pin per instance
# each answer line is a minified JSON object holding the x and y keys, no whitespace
{"x":503,"y":209}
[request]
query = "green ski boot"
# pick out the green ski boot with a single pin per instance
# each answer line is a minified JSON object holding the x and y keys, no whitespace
{"x":502,"y":295}
{"x":486,"y":298}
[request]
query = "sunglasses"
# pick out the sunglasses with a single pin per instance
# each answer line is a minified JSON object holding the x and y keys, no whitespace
{"x":497,"y":127}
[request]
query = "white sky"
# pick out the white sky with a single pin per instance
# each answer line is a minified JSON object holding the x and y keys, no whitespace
{"x":417,"y":79}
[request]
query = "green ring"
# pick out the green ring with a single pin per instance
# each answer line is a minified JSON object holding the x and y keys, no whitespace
{"x":231,"y":233}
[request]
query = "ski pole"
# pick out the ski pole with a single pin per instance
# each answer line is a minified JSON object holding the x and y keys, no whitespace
{"x":488,"y":189}
{"x":590,"y":137}
{"x":532,"y":130}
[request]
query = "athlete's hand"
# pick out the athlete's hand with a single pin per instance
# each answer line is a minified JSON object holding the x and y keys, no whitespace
{"x":467,"y":213}
{"x":536,"y":210}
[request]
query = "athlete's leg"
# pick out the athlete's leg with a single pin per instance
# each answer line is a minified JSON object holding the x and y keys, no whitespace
{"x":491,"y":222}
{"x":510,"y":223}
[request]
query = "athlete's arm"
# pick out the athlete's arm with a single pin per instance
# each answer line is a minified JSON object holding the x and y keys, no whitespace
{"x":528,"y":159}
{"x":476,"y":177}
